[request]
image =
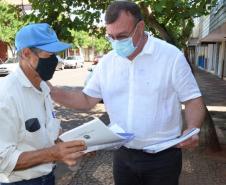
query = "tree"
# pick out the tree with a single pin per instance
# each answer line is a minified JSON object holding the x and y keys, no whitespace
{"x":66,"y":15}
{"x":82,"y":39}
{"x":101,"y":45}
{"x":10,"y":23}
{"x":173,"y":20}
{"x":159,"y":16}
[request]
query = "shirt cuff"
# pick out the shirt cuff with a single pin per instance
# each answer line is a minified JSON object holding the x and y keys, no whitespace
{"x":92,"y":93}
{"x":191,"y":97}
{"x":12,"y":162}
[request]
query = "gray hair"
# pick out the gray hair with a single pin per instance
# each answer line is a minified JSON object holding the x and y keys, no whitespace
{"x":19,"y":53}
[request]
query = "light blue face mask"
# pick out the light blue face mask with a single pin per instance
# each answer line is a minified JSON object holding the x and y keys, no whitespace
{"x":124,"y":47}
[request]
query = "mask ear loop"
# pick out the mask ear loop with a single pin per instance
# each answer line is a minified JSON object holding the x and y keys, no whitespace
{"x":135,"y":30}
{"x":134,"y":34}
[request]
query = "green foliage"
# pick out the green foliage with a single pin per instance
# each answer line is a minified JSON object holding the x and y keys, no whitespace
{"x":66,"y":15}
{"x":171,"y":20}
{"x":10,"y":22}
{"x":174,"y":17}
{"x":82,"y":39}
{"x":101,"y":45}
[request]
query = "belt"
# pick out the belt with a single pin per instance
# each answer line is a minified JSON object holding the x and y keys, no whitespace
{"x":142,"y":151}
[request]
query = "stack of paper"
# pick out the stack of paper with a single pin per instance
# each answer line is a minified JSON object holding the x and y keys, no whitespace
{"x":98,"y":136}
{"x":170,"y":143}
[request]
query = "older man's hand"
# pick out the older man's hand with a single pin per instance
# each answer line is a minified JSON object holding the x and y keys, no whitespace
{"x":68,"y":152}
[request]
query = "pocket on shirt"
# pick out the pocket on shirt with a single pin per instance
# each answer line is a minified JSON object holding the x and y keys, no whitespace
{"x":32,"y":125}
{"x":35,"y":136}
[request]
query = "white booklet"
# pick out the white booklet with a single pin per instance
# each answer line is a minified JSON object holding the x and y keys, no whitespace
{"x":98,"y":136}
{"x":170,"y":143}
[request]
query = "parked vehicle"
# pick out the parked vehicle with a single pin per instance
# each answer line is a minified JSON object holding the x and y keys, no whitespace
{"x":60,"y":65}
{"x":74,"y":61}
{"x":8,"y":67}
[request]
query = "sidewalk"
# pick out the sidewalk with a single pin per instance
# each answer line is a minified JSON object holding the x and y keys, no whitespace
{"x":199,"y":168}
{"x":214,"y":93}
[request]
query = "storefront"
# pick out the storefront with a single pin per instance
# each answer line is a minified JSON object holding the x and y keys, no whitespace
{"x":210,"y":50}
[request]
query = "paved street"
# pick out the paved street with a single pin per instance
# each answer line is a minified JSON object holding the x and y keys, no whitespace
{"x":71,"y":77}
{"x":199,"y":167}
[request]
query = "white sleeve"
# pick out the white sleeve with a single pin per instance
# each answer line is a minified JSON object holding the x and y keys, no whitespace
{"x":9,"y":129}
{"x":184,"y":81}
{"x":93,"y":87}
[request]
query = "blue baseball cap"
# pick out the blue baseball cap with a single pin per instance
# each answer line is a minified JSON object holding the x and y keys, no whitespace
{"x":40,"y":36}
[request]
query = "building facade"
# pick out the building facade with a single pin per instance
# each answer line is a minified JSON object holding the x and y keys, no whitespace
{"x":207,"y":45}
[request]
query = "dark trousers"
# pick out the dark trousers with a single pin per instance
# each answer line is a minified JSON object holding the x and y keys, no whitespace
{"x":135,"y":167}
{"x":44,"y":180}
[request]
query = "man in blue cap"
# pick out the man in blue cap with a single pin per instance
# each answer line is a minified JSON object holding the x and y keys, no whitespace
{"x":28,"y":126}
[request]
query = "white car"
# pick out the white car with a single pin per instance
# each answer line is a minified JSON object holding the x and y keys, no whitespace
{"x":8,"y":67}
{"x":74,"y":61}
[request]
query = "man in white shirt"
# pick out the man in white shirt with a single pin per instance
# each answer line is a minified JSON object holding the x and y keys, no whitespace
{"x":143,"y":82}
{"x":28,"y":126}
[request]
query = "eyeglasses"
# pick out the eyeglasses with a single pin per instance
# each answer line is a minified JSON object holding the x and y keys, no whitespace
{"x":121,"y":37}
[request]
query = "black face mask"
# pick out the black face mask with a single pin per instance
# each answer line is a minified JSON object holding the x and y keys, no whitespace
{"x":46,"y":67}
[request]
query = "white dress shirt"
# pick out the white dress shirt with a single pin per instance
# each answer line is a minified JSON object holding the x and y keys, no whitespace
{"x":21,"y":101}
{"x":144,"y":96}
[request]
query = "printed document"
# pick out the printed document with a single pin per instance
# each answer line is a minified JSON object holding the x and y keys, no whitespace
{"x":98,"y":136}
{"x":170,"y":143}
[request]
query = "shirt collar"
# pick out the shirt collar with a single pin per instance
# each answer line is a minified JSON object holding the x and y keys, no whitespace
{"x":149,"y":46}
{"x":25,"y":82}
{"x":22,"y":77}
{"x":45,"y":88}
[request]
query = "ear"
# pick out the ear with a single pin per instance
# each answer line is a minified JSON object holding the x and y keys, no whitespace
{"x":26,"y":53}
{"x":142,"y":26}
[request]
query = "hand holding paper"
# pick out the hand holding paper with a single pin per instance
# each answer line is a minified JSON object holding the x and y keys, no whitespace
{"x":190,"y":143}
{"x":98,"y":136}
{"x":170,"y":143}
